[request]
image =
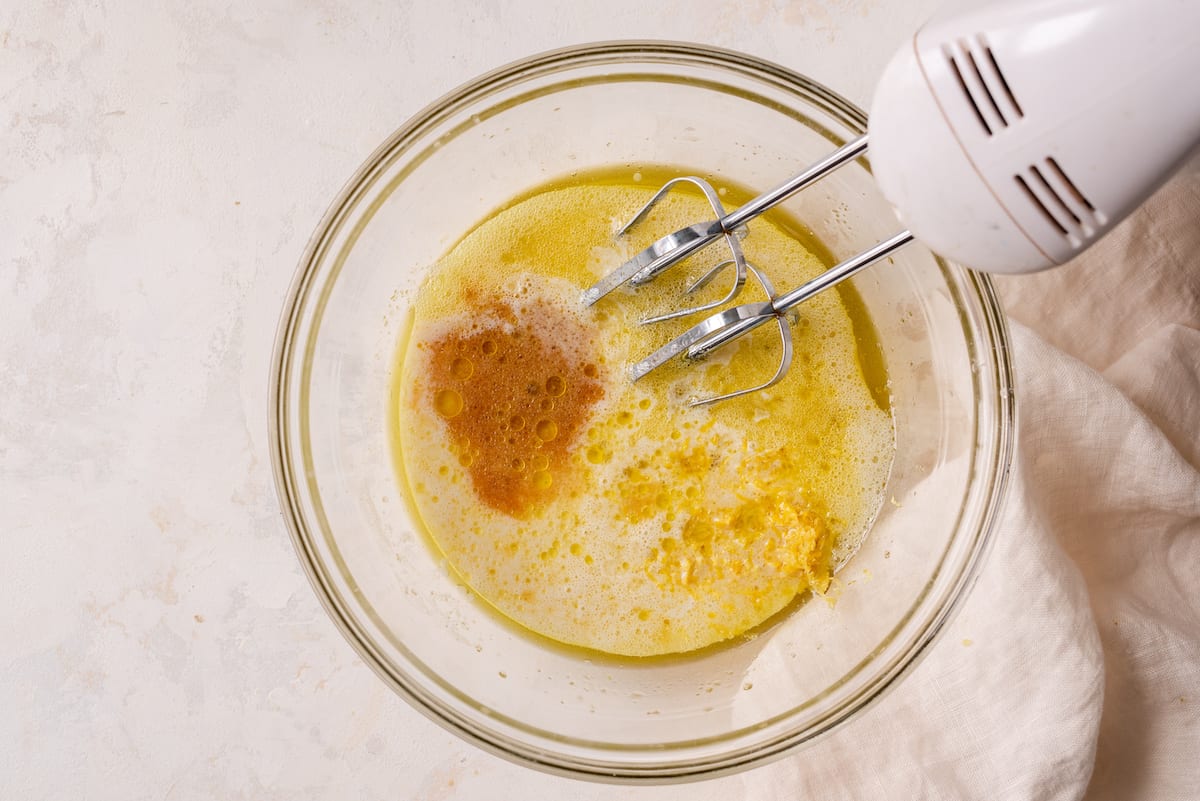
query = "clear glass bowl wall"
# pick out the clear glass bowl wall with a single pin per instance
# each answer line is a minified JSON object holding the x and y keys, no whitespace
{"x":397,"y":603}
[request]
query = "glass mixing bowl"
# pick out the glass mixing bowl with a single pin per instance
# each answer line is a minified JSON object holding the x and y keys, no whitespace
{"x":426,"y":634}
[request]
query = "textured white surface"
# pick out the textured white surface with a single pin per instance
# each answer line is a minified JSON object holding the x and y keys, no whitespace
{"x":161,"y":166}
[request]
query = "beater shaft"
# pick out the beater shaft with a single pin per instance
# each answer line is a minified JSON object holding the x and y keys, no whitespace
{"x":769,"y":199}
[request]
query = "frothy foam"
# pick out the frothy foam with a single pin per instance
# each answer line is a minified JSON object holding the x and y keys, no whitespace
{"x":611,"y":515}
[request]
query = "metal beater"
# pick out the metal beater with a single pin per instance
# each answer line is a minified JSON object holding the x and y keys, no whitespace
{"x":1011,"y":169}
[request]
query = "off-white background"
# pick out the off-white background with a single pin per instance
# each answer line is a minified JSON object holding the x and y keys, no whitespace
{"x":161,"y":166}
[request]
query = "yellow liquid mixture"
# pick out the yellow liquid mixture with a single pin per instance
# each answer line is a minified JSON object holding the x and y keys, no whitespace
{"x":611,"y":515}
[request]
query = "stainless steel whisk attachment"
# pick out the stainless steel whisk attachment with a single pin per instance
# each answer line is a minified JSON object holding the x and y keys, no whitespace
{"x":724,"y":326}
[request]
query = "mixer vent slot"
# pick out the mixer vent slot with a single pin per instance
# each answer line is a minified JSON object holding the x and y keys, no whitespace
{"x":984,"y":86}
{"x":1059,"y":201}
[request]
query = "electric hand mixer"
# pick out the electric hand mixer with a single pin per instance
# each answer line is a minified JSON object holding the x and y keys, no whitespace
{"x":1008,"y":138}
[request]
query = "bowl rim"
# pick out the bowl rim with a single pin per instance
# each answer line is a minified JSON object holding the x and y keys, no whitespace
{"x":662,"y":770}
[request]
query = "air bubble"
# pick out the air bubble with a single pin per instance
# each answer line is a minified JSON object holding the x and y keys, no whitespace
{"x":518,"y":464}
{"x":546,"y":405}
{"x":517,"y":422}
{"x":448,"y":403}
{"x":462,"y":368}
{"x":547,"y":430}
{"x":555,"y":386}
{"x":488,"y":347}
{"x":542,"y":480}
{"x":598,"y":455}
{"x":540,"y":462}
{"x":590,"y":370}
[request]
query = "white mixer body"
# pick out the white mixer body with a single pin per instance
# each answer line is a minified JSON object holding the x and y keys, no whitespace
{"x":1012,"y":136}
